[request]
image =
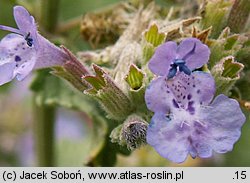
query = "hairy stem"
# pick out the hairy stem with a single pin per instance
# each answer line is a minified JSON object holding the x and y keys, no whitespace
{"x":44,"y":119}
{"x":239,"y":15}
{"x":49,"y":14}
{"x":44,"y":134}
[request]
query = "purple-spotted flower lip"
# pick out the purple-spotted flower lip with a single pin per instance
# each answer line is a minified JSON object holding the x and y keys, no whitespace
{"x":169,"y":58}
{"x":187,"y":122}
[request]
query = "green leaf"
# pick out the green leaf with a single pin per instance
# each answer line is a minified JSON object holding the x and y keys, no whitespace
{"x":72,"y":152}
{"x":53,"y":91}
{"x":104,"y":152}
{"x":98,"y":134}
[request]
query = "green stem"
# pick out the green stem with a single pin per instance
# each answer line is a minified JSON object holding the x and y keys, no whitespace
{"x":44,"y":115}
{"x":239,"y":15}
{"x":49,"y":14}
{"x":44,"y":134}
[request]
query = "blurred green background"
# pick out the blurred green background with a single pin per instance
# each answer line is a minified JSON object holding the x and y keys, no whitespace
{"x":17,"y":123}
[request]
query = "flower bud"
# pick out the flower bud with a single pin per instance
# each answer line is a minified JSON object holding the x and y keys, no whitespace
{"x":132,"y":133}
{"x":135,"y":134}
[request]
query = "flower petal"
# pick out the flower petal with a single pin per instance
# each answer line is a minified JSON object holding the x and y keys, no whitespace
{"x":203,"y":149}
{"x":26,"y":23}
{"x":15,"y":51}
{"x":24,"y":69}
{"x":189,"y":91}
{"x":6,"y":72}
{"x":225,"y":119}
{"x":10,"y":42}
{"x":164,"y":55}
{"x":11,"y":29}
{"x":49,"y":55}
{"x":196,"y":53}
{"x":198,"y":140}
{"x":168,"y":138}
{"x":158,"y":95}
{"x":24,"y":20}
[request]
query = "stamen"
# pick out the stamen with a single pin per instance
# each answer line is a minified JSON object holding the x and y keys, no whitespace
{"x":201,"y":123}
{"x":29,"y":40}
{"x":182,"y":68}
{"x":184,"y":122}
{"x":185,"y":69}
{"x":172,"y":71}
{"x":179,"y":62}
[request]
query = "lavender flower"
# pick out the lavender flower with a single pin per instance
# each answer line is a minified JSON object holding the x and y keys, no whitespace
{"x":26,"y":49}
{"x":186,"y":121}
{"x":170,"y":58}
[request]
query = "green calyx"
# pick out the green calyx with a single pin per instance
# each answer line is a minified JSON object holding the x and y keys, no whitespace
{"x":226,"y":44}
{"x":134,"y":78}
{"x":152,"y":39}
{"x":114,"y":101}
{"x":226,"y":73}
{"x":72,"y":71}
{"x":153,"y":36}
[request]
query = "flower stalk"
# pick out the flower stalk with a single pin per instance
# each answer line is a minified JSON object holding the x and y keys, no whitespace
{"x":44,"y":115}
{"x":44,"y":133}
{"x":239,"y":15}
{"x":49,"y":14}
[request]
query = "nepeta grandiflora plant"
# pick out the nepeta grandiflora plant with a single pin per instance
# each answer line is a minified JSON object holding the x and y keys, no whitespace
{"x":164,"y":83}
